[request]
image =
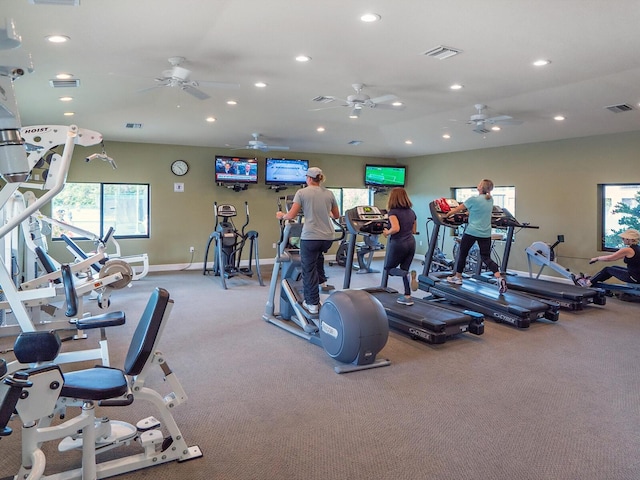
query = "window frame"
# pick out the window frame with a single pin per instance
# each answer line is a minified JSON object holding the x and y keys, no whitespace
{"x":103,"y":227}
{"x":605,"y":209}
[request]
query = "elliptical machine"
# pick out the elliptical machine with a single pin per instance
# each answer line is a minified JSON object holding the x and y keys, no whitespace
{"x":229,"y":244}
{"x":351,"y":326}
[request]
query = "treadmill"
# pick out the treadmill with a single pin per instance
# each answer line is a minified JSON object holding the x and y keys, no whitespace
{"x":569,"y":296}
{"x":512,"y":308}
{"x":425,"y":320}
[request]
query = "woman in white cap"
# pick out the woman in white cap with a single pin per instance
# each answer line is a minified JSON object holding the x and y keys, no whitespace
{"x":318,"y":204}
{"x":630,"y":254}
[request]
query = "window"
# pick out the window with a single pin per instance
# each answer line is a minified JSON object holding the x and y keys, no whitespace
{"x":619,"y":210}
{"x":504,"y":197}
{"x":348,"y":198}
{"x":95,"y":207}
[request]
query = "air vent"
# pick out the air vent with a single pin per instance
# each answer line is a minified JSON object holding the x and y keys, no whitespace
{"x":441,"y":52}
{"x":323,"y":99}
{"x":355,"y":142}
{"x":481,"y":130}
{"x":73,"y":83}
{"x":70,"y":3}
{"x":133,"y":125}
{"x":623,"y":107}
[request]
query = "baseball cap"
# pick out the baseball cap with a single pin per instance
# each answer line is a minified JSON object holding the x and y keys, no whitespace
{"x":313,"y":172}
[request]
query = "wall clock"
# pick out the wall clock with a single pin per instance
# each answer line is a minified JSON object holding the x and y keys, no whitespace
{"x":179,"y":167}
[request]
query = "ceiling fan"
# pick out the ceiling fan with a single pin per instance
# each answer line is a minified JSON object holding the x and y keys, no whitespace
{"x":360,"y":100}
{"x":180,"y":77}
{"x":256,"y":144}
{"x":481,"y":120}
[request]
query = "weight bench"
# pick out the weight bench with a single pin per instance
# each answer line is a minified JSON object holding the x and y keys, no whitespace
{"x":40,"y":393}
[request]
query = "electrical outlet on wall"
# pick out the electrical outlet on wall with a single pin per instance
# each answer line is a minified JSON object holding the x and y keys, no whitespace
{"x":192,"y":249}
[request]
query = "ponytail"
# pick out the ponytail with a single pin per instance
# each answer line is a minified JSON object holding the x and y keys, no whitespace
{"x":487,"y":186}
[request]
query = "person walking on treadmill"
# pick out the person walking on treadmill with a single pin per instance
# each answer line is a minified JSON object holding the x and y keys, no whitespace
{"x":630,"y":254}
{"x":318,"y":204}
{"x":478,"y":231}
{"x":401,"y":246}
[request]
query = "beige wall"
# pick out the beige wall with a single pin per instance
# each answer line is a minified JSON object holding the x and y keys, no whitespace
{"x":555,"y":184}
{"x":181,"y":220}
{"x":556,"y":188}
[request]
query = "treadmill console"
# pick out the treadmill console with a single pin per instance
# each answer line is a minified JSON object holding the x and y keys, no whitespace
{"x":367,"y":219}
{"x":441,"y":207}
{"x":502,"y":218}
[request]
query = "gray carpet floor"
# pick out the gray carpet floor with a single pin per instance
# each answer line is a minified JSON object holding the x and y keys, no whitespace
{"x":554,"y":401}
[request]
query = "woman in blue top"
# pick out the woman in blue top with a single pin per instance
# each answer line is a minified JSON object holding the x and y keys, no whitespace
{"x":401,"y":246}
{"x":478,"y":230}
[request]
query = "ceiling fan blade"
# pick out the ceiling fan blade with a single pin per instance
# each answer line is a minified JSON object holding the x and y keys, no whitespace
{"x":503,"y":120}
{"x":148,"y":89}
{"x":216,"y":84}
{"x":387,"y":106}
{"x":199,"y":94}
{"x":383,"y":98}
{"x":328,"y":108}
{"x":266,"y":148}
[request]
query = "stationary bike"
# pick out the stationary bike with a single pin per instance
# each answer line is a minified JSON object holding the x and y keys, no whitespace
{"x":351,"y":326}
{"x":228,"y":246}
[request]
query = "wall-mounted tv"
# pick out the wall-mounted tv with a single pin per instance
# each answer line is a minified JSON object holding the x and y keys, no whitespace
{"x":282,"y":171}
{"x":236,"y":169}
{"x":384,"y":175}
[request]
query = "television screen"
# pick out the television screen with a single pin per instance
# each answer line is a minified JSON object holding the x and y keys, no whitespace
{"x":384,"y":175}
{"x":281,"y":171}
{"x":236,"y":170}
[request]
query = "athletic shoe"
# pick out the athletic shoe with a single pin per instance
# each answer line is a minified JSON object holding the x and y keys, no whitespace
{"x":502,"y":286}
{"x":312,"y":309}
{"x":325,"y":287}
{"x":584,"y":281}
{"x":455,"y":280}
{"x":404,"y":300}
{"x":414,"y":280}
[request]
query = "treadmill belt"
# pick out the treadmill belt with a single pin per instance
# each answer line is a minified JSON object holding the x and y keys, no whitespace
{"x":422,"y":313}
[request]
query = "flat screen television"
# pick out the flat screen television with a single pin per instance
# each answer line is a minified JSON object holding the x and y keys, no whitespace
{"x":384,"y":175}
{"x":282,"y":171}
{"x":236,"y":169}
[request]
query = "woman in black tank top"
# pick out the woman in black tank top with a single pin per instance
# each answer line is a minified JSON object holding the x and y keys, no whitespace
{"x":630,"y":254}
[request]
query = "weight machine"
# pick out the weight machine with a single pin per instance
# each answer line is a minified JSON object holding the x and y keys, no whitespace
{"x":229,"y":244}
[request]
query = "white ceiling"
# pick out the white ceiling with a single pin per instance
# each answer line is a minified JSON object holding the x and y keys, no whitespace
{"x":118,"y":47}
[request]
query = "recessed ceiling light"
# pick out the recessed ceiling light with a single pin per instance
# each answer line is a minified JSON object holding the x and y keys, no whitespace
{"x":260,"y":84}
{"x":370,"y":17}
{"x":541,"y":63}
{"x":559,"y":118}
{"x":69,"y":114}
{"x":496,"y":128}
{"x":396,"y":104}
{"x":57,"y":38}
{"x":231,"y":102}
{"x":64,"y":76}
{"x":303,"y":58}
{"x":211,"y":119}
{"x":446,"y":135}
{"x":408,"y":142}
{"x":320,"y":129}
{"x":66,"y":99}
{"x":456,"y":86}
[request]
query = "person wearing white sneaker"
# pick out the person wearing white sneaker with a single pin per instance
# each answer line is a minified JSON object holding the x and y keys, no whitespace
{"x":401,"y":246}
{"x":318,"y":204}
{"x":478,"y":231}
